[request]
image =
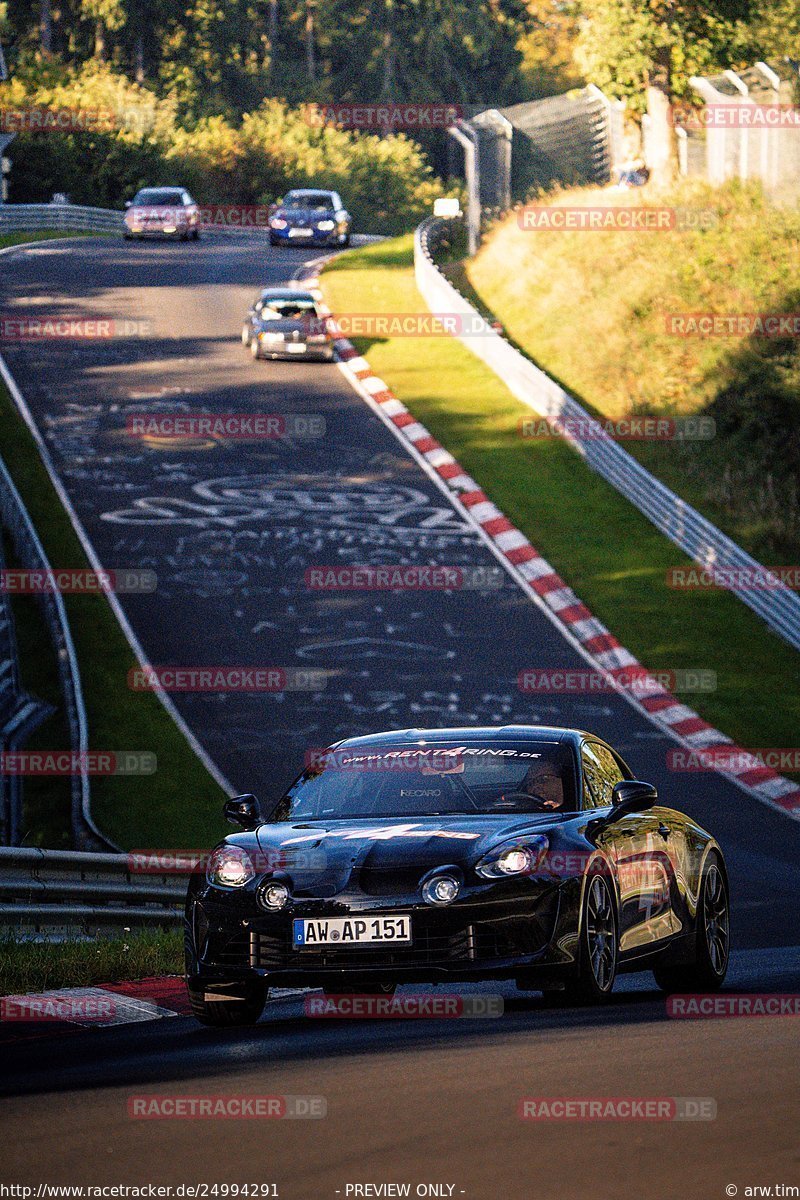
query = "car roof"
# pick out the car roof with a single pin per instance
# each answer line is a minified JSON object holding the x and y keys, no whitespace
{"x":486,"y":733}
{"x":310,"y":192}
{"x":285,"y":294}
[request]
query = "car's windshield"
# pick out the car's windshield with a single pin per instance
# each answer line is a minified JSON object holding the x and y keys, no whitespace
{"x":278,"y":308}
{"x":309,"y":200}
{"x":158,"y":197}
{"x":403,"y":781}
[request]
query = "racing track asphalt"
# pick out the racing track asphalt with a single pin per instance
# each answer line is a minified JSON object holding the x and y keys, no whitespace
{"x":230,"y":530}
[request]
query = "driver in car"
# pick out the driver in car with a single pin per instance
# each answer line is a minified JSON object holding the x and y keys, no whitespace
{"x":541,"y":783}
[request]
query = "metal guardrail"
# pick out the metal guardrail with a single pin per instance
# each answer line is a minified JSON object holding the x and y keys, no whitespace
{"x":61,"y":893}
{"x":29,"y":551}
{"x":777,"y":604}
{"x":23,"y":217}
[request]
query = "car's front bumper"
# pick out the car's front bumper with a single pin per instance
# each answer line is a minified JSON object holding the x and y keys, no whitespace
{"x":495,"y":937}
{"x":152,"y":231}
{"x":310,"y":354}
{"x":317,"y":237}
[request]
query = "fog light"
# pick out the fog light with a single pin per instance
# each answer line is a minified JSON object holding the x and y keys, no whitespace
{"x":443,"y":889}
{"x":273,"y":896}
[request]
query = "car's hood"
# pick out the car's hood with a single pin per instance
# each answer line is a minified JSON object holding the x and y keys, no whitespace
{"x":328,"y":856}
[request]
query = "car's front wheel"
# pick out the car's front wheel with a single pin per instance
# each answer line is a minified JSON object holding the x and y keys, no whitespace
{"x":245,"y":335}
{"x":226,"y":1012}
{"x":707,"y":971}
{"x":254,"y":350}
{"x":599,"y":947}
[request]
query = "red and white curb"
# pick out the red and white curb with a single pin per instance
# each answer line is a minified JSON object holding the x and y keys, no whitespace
{"x":546,"y":587}
{"x":72,"y":1009}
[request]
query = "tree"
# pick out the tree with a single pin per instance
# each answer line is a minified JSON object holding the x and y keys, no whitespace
{"x":647,"y":50}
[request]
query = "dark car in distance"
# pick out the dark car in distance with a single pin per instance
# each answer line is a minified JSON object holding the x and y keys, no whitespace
{"x":310,"y":217}
{"x":522,"y":852}
{"x":284,"y":323}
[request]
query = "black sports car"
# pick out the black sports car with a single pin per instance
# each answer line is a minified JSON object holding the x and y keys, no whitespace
{"x":524,"y":852}
{"x":287,"y":324}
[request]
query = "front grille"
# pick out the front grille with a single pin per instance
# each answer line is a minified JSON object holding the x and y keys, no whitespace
{"x":227,"y":950}
{"x":276,"y":952}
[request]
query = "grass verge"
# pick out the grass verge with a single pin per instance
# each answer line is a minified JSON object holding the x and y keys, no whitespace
{"x":180,"y":804}
{"x":43,"y":966}
{"x":44,"y":235}
{"x":615,"y":560}
{"x":605,"y":313}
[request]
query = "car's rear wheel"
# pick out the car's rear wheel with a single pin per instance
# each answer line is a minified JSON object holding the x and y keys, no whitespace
{"x":273,"y":241}
{"x":706,"y":973}
{"x":599,"y":947}
{"x":226,"y":1013}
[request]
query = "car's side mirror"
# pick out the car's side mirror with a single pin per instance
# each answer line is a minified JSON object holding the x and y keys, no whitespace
{"x":243,"y":811}
{"x":632,"y":795}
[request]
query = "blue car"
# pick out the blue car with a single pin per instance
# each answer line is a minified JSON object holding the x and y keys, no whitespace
{"x":310,"y":217}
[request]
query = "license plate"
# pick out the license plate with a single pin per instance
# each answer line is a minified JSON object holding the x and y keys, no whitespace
{"x":296,"y":347}
{"x":300,"y":232}
{"x":351,"y":931}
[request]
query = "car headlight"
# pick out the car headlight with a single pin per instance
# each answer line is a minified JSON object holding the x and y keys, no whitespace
{"x":442,"y":889}
{"x":278,"y":223}
{"x":230,"y":867}
{"x":326,"y":225}
{"x":273,"y":895}
{"x":516,"y":858}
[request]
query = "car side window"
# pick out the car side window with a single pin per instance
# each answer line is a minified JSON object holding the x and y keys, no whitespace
{"x":603,"y":772}
{"x":591,"y":773}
